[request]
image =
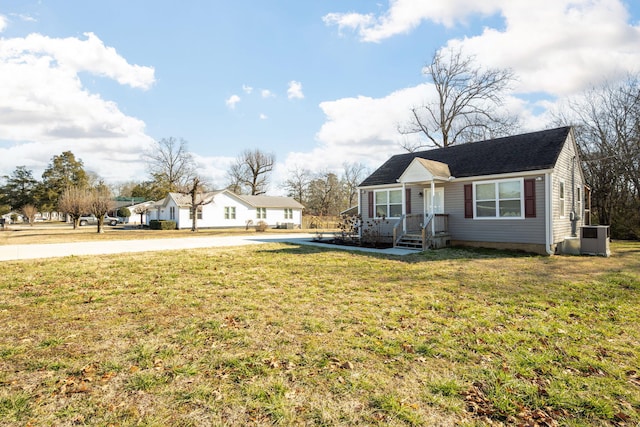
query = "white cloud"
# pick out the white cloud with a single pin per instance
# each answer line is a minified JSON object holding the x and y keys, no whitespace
{"x":44,"y":109}
{"x":266,"y":93}
{"x":263,"y":116}
{"x":3,"y":23}
{"x":578,"y":44}
{"x":75,"y":55}
{"x":24,"y":17}
{"x":232,"y":101}
{"x":361,"y":129}
{"x":247,"y":89}
{"x":295,"y":90}
{"x":559,"y":46}
{"x":405,"y":15}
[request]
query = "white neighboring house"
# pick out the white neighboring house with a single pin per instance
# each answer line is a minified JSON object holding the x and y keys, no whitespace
{"x":147,"y":209}
{"x":224,"y":209}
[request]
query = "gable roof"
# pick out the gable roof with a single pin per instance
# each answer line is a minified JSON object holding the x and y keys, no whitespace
{"x":518,"y":153}
{"x":270,"y":201}
{"x":184,"y":200}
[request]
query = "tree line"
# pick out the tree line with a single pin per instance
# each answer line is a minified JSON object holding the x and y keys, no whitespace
{"x":66,"y":187}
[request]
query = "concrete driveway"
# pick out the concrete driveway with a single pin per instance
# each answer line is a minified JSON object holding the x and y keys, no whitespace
{"x":55,"y":250}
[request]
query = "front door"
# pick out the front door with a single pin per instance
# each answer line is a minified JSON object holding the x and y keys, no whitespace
{"x":438,"y":201}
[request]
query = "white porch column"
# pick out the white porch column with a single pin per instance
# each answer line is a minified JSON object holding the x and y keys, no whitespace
{"x":433,"y":204}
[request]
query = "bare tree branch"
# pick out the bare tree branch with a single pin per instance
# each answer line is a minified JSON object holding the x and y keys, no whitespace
{"x":170,"y":164}
{"x":250,"y":173}
{"x":467,"y":106}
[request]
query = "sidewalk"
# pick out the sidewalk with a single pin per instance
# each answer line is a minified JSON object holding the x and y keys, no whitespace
{"x":56,"y":250}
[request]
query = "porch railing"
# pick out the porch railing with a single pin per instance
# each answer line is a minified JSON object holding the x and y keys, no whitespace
{"x":397,"y":229}
{"x":434,"y":224}
{"x":424,"y":224}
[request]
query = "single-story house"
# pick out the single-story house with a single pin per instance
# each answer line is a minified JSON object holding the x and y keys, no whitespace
{"x":523,"y":192}
{"x":223,"y":208}
{"x":139,"y":213}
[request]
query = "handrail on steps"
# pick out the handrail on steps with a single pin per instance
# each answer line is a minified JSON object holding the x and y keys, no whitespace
{"x":396,"y":235}
{"x":426,"y":230}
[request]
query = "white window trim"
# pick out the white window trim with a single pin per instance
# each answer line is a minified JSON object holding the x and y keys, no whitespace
{"x":230,"y":213}
{"x":562,"y":201}
{"x":375,"y":205}
{"x":495,"y":183}
{"x":579,"y":197}
{"x":261,"y":213}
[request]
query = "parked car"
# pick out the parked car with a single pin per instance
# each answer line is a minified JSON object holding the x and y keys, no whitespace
{"x":92,"y":220}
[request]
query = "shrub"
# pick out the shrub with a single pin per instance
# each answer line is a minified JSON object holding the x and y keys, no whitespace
{"x":123,"y":212}
{"x":155,"y":224}
{"x":261,"y":226}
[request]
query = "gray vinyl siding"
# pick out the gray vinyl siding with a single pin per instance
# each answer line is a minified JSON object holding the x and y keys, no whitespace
{"x":562,"y":172}
{"x":523,"y":231}
{"x":528,"y":230}
{"x":386,"y":226}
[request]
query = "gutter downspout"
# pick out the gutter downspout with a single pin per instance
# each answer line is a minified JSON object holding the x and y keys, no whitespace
{"x":574,"y":216}
{"x":548,"y":216}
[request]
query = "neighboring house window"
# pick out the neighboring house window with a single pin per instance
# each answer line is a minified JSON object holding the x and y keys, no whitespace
{"x":499,"y":199}
{"x":561,"y":197}
{"x":388,"y":203}
{"x":579,"y":200}
{"x":288,"y":213}
{"x":198,"y":210}
{"x":261,"y":213}
{"x":229,"y":212}
{"x":172,"y":212}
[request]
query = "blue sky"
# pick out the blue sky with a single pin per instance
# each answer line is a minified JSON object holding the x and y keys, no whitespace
{"x":317,"y":83}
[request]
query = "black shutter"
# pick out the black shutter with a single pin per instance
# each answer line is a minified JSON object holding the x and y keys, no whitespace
{"x":529,"y":198}
{"x":468,"y":201}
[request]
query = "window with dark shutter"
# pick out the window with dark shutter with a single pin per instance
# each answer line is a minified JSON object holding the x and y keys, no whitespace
{"x":468,"y":201}
{"x":370,"y":204}
{"x":529,"y":198}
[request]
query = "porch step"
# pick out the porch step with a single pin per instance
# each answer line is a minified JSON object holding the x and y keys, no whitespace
{"x":410,"y":241}
{"x":414,"y":241}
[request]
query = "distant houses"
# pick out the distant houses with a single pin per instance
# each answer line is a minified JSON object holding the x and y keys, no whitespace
{"x":223,"y":208}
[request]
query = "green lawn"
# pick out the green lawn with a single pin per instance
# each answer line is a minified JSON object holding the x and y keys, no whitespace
{"x":289,"y":335}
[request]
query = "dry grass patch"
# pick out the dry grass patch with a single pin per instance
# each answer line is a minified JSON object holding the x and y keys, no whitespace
{"x":281,"y":334}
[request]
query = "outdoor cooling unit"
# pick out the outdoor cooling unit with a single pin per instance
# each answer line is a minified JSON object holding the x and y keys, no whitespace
{"x":594,"y":240}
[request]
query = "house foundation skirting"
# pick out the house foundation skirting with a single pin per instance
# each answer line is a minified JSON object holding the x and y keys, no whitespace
{"x":525,"y":247}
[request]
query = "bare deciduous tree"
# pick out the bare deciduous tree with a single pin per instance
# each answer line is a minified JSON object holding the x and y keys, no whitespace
{"x":326,"y":194}
{"x":196,"y":190}
{"x":74,"y":201}
{"x":30,"y":212}
{"x":607,"y":123}
{"x":250,"y":172}
{"x":170,"y":164}
{"x":141,"y":210}
{"x":297,"y":185}
{"x":353,"y":175}
{"x":100,"y":203}
{"x":467,"y":103}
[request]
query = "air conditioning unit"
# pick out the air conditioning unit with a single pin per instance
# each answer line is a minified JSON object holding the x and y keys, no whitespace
{"x":594,"y":240}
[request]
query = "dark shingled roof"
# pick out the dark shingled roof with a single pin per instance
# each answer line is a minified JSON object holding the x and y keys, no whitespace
{"x":518,"y":153}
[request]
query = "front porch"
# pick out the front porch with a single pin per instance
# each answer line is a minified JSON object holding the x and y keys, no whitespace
{"x":422,"y":231}
{"x":430,"y":227}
